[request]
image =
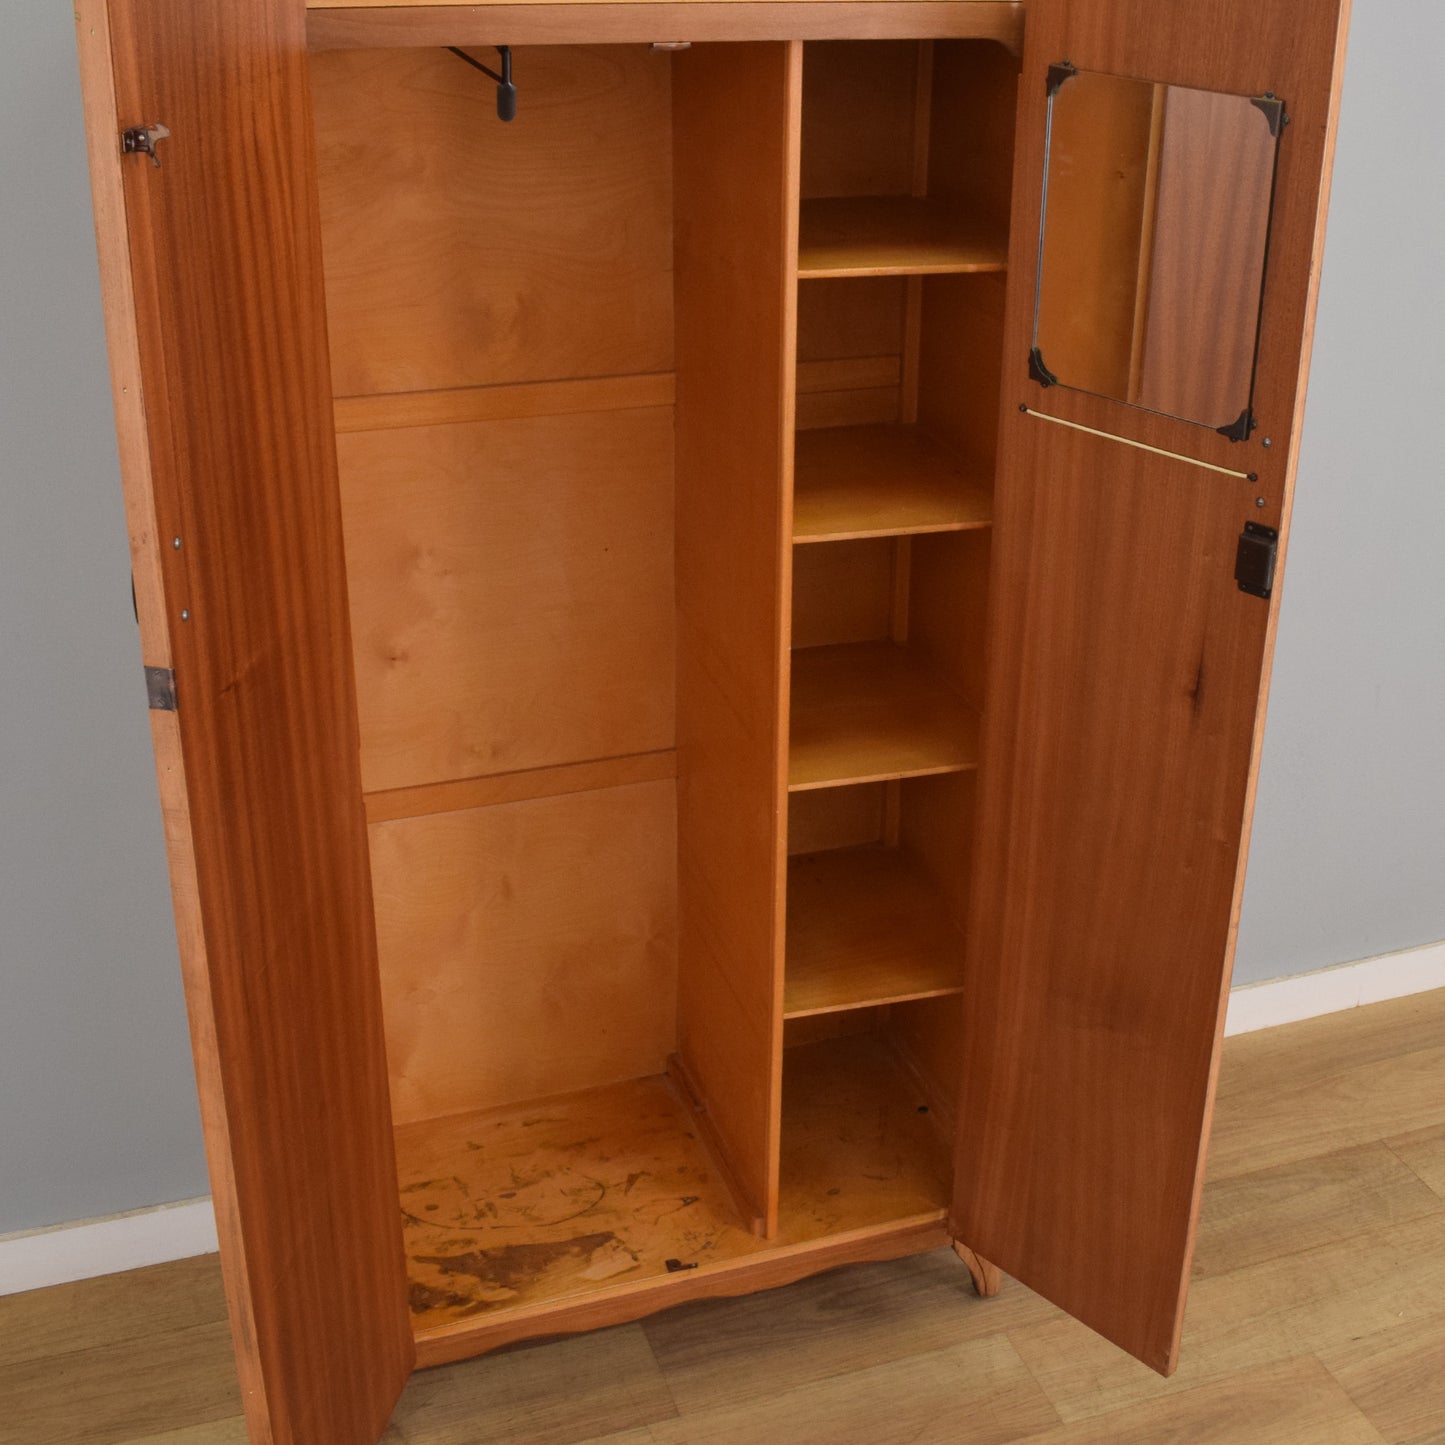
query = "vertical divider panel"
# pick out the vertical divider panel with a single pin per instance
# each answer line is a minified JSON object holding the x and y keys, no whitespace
{"x":736,"y":119}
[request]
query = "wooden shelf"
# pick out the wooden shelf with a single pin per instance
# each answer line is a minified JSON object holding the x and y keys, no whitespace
{"x":865,"y":712}
{"x":893,"y":236}
{"x":881,"y":481}
{"x":866,"y":926}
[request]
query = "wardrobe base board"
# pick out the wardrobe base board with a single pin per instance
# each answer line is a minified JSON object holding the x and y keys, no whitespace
{"x":770,"y":1268}
{"x":564,"y":1213}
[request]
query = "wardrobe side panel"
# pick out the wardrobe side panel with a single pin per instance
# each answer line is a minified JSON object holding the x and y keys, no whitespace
{"x":214,"y":316}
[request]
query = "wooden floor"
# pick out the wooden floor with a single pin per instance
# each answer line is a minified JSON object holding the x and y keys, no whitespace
{"x":1317,"y":1313}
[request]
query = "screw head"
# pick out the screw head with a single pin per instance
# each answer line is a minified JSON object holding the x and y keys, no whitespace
{"x":185,"y":614}
{"x":176,"y":543}
{"x":1267,"y":442}
{"x":1259,"y":501}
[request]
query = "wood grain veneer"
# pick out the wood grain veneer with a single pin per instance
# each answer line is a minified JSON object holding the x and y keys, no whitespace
{"x":736,"y":127}
{"x":535,"y":350}
{"x":381,"y":411}
{"x":511,"y":593}
{"x":842,"y":592}
{"x":259,"y":776}
{"x":465,"y":253}
{"x":527,"y":948}
{"x":385,"y":24}
{"x":1127,"y":677}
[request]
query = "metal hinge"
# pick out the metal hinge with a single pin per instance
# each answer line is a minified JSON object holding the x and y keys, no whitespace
{"x":141,"y":140}
{"x":161,"y":689}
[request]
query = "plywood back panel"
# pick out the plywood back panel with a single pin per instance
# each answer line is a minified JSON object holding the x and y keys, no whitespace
{"x":948,"y":605}
{"x":850,"y":316}
{"x":858,"y":112}
{"x":843,"y":1024}
{"x":511,"y":592}
{"x":822,"y":818}
{"x":843,"y":592}
{"x":936,"y":826}
{"x":527,"y":948}
{"x":461,"y":251}
{"x":971,"y":127}
{"x":928,"y":1035}
{"x":960,"y":358}
{"x":736,"y":120}
{"x":850,"y":351}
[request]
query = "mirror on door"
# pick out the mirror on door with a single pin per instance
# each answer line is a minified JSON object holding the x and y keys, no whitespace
{"x":1155,"y":232}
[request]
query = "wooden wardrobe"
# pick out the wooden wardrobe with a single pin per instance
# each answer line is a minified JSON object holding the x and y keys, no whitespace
{"x":691,"y":753}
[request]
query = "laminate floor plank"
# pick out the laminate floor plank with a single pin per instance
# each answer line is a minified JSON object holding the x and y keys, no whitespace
{"x":717,"y":1353}
{"x":1312,"y":1050}
{"x":1296,"y":1400}
{"x":979,"y":1392}
{"x":1317,"y":1313}
{"x":1306,"y":1203}
{"x":1352,"y":1106}
{"x":550,"y":1394}
{"x":230,"y":1431}
{"x":115,"y":1393}
{"x":1423,"y":1150}
{"x":1265,"y":1314}
{"x":48,"y":1323}
{"x":1397,"y":1378}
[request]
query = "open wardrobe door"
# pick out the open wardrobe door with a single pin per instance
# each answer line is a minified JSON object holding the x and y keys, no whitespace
{"x":1170,"y":184}
{"x":205,"y":191}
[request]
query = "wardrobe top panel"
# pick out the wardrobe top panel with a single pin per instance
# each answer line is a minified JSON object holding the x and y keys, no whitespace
{"x":382,"y":23}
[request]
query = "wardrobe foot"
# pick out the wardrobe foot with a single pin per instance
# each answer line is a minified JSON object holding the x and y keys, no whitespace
{"x":986,"y":1278}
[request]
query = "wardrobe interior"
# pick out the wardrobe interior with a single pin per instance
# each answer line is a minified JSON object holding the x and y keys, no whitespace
{"x":665,"y":418}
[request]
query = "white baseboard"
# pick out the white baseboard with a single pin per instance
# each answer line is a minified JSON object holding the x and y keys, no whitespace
{"x":1332,"y":990}
{"x":41,"y":1257}
{"x":176,"y":1231}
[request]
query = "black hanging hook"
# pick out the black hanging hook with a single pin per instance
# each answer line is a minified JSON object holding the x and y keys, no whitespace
{"x":506,"y":91}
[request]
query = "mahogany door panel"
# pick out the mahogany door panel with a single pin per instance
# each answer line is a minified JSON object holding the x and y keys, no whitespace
{"x":1127,"y":675}
{"x":215,"y":317}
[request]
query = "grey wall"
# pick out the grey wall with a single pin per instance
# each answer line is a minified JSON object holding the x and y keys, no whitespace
{"x":97,"y":1102}
{"x":97,"y":1108}
{"x":1348,"y":853}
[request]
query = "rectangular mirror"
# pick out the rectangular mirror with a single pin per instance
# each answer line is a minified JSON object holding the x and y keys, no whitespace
{"x":1155,"y":231}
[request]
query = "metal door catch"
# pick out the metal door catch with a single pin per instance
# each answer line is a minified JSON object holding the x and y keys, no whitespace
{"x":142,"y":139}
{"x":1254,"y":562}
